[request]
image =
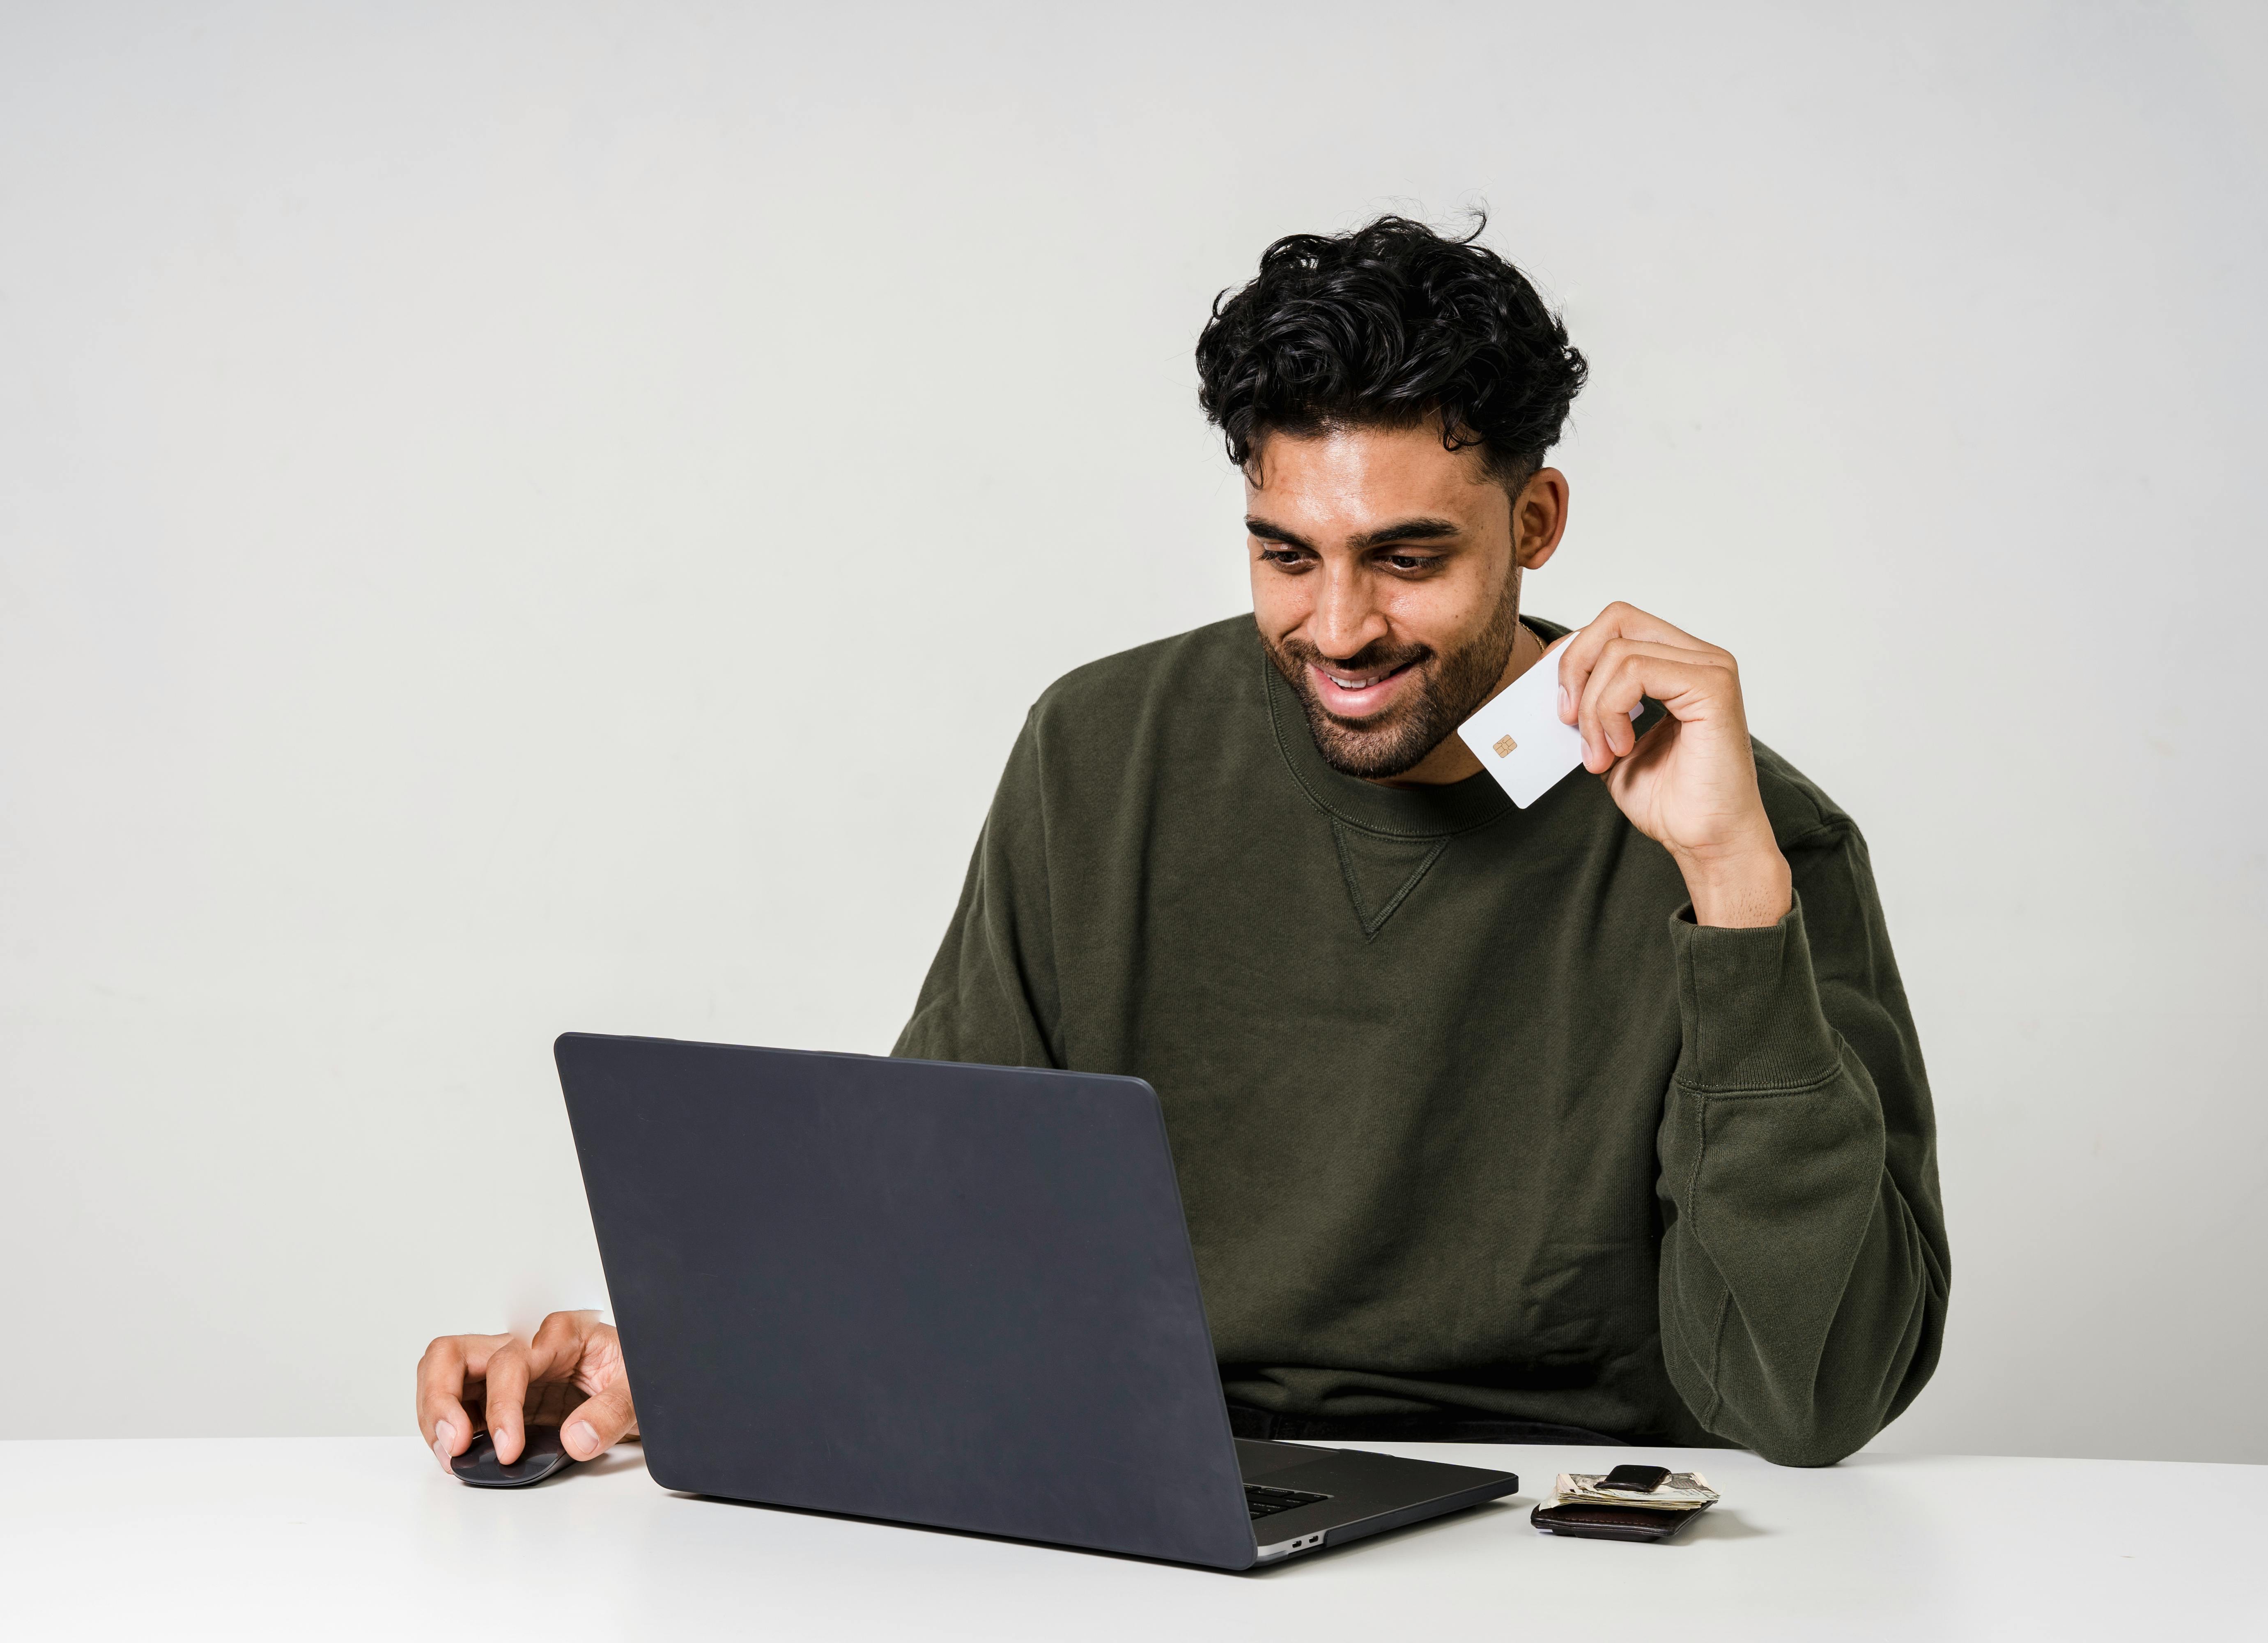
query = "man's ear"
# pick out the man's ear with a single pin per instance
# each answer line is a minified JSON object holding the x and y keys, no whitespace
{"x":1539,"y":518}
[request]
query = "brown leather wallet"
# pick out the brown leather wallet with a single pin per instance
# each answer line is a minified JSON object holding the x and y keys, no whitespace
{"x":1606,"y":1522}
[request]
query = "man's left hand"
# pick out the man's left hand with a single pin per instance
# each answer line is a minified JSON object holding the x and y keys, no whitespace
{"x":1690,"y":783}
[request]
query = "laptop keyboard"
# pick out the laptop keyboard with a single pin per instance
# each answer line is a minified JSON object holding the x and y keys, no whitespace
{"x":1266,"y":1502}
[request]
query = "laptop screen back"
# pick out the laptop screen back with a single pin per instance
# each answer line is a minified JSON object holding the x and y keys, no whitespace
{"x":949,"y":1294}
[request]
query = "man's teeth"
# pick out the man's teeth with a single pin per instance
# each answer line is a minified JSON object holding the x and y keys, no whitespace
{"x":1350,"y":684}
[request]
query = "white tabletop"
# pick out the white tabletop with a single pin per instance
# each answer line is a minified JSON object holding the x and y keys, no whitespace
{"x":363,"y":1537}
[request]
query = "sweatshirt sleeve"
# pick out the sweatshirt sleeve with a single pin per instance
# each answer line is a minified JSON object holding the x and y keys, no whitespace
{"x":990,"y":995}
{"x":1804,"y":1262}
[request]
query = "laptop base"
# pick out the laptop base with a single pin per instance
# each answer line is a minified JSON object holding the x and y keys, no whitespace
{"x":1364,"y":1493}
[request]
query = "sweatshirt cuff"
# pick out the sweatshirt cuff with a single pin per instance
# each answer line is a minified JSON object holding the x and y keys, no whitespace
{"x":1750,"y":1006}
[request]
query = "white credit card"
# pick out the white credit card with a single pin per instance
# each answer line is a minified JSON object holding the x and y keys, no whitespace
{"x":1518,"y":737}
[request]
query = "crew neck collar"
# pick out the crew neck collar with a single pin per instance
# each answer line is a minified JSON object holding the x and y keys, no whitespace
{"x":1434,"y":811}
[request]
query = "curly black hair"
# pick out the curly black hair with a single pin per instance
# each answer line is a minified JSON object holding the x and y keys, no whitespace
{"x":1390,"y":326}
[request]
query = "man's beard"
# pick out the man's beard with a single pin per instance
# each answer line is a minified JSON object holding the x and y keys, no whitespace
{"x":1448,"y":690}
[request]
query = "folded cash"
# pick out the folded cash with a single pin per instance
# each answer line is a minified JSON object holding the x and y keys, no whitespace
{"x":1682,"y":1492}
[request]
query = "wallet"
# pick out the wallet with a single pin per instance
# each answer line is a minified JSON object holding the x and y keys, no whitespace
{"x":1606,"y":1523}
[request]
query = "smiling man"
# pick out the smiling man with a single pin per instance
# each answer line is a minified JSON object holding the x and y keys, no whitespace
{"x":1603,"y":1118}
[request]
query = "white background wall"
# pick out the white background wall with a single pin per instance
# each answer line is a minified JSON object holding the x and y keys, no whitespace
{"x":515,"y":518}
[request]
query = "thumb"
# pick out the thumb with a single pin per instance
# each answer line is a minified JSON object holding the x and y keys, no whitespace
{"x":598,"y":1424}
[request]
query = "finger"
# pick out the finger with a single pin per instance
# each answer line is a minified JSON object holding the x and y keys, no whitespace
{"x":441,"y":1418}
{"x":600,"y":1422}
{"x":1619,"y":621}
{"x":1575,"y":660}
{"x":1629,"y":673}
{"x":452,"y":1363}
{"x":557,"y":1349}
{"x":1624,"y":674}
{"x":507,"y":1390}
{"x":1607,"y":682}
{"x":1622,"y":620}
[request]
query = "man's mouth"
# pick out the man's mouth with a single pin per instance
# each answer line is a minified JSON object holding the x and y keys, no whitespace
{"x":1347,"y":694}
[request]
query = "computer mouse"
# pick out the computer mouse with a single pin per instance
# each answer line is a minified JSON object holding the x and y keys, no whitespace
{"x":541,"y":1457}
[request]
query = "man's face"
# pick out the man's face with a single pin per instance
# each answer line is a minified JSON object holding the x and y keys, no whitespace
{"x":1385,"y":580}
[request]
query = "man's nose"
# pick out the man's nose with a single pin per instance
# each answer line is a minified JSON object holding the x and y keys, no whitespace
{"x":1346,"y":617}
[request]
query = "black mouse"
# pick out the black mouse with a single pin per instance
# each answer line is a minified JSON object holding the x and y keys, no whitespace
{"x":541,"y":1457}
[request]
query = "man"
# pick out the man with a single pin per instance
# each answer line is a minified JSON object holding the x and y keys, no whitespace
{"x":1602,"y":1119}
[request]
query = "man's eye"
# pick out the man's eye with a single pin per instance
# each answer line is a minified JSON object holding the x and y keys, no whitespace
{"x":1411,"y":561}
{"x":1290,"y":558}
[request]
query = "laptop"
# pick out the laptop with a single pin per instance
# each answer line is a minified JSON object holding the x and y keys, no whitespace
{"x":943,"y":1294}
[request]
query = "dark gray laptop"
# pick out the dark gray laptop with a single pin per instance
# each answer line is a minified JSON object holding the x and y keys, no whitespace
{"x":952,"y":1296}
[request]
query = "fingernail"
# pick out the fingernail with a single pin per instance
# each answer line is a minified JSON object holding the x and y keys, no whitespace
{"x":441,"y":1453}
{"x":444,"y":1433}
{"x":584,"y":1439}
{"x":1563,"y":701}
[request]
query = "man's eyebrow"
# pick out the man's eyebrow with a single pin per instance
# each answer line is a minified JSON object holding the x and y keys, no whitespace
{"x":1407,"y":530}
{"x":1417,"y":530}
{"x":1266,"y":532}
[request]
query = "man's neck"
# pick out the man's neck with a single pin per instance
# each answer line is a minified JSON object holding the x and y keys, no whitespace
{"x":1451,"y":761}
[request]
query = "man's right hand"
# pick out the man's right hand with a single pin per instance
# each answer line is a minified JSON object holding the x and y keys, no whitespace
{"x":570,"y":1375}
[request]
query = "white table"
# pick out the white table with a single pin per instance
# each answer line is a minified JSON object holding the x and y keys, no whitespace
{"x":363,"y":1538}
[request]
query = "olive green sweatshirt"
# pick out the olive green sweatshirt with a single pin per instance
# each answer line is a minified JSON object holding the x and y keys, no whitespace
{"x":1470,"y":1118}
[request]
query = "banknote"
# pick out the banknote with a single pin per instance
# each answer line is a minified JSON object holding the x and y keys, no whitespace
{"x":1682,"y":1492}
